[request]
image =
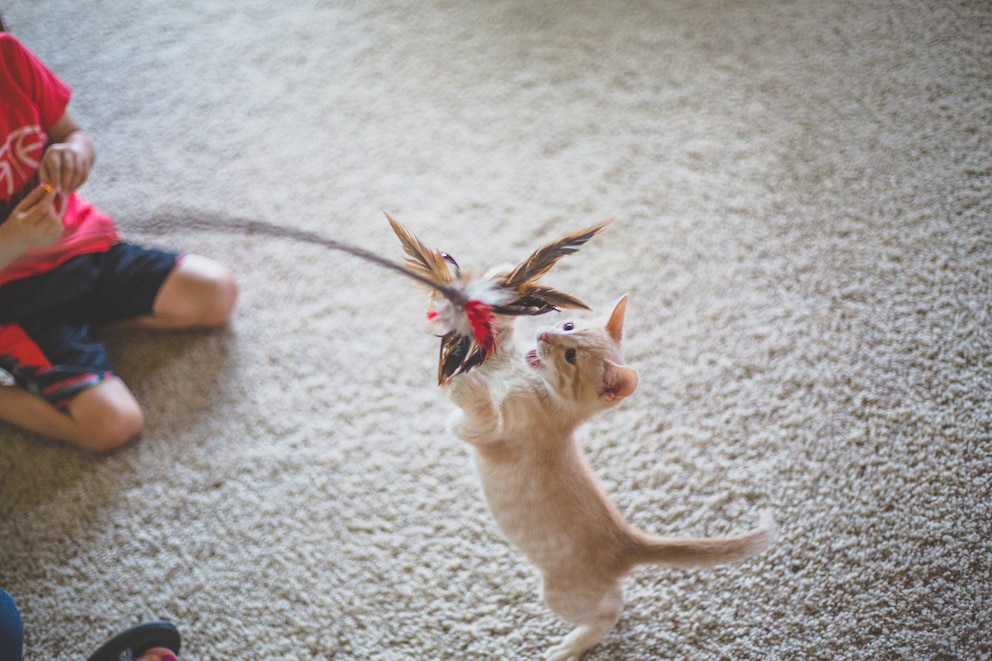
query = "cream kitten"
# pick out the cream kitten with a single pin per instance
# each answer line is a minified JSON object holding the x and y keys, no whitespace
{"x":519,"y":411}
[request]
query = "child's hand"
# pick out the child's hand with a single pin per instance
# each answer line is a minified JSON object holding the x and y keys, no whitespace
{"x":66,"y":165}
{"x":35,"y":221}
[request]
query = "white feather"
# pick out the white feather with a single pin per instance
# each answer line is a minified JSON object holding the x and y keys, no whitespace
{"x":449,"y":316}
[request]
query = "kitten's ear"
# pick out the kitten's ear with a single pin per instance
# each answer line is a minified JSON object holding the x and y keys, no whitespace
{"x":615,"y":325}
{"x":619,"y":381}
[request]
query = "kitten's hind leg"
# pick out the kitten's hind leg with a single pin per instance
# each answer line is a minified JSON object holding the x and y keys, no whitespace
{"x":593,"y":616}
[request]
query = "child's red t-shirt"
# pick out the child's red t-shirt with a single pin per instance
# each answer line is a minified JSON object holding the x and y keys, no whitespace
{"x":33,"y":100}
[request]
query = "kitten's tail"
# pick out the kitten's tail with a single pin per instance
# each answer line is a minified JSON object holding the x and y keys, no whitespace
{"x":686,"y":552}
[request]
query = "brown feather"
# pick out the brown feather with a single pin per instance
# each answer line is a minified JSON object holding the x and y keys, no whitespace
{"x":454,"y":351}
{"x":420,"y":258}
{"x":458,"y":354}
{"x":541,"y":261}
{"x":548,"y":296}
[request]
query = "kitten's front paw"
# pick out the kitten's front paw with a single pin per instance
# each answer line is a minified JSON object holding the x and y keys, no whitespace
{"x":467,"y":390}
{"x":480,"y":418}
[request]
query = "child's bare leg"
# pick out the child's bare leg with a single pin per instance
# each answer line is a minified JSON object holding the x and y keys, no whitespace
{"x":199,"y":293}
{"x":100,"y":418}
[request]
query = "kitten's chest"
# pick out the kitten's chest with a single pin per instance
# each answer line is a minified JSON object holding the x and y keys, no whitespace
{"x":534,"y":505}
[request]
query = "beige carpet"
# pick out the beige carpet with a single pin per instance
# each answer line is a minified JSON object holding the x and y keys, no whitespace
{"x":802,"y":196}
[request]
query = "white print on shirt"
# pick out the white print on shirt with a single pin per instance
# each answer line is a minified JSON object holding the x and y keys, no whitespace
{"x":19,"y":158}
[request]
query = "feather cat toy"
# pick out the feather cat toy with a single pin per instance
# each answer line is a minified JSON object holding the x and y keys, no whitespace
{"x":463,"y":307}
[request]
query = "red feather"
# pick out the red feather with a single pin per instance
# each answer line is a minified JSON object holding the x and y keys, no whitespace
{"x":480,"y":315}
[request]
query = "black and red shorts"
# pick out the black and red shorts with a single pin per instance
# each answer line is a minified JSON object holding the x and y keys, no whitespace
{"x":48,"y":321}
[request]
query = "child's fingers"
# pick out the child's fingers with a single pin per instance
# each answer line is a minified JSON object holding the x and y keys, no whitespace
{"x":55,"y":168}
{"x":37,"y":194}
{"x":53,"y":197}
{"x":49,"y":171}
{"x":63,"y":168}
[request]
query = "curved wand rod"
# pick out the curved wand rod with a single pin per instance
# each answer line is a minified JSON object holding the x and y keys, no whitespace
{"x":203,"y":223}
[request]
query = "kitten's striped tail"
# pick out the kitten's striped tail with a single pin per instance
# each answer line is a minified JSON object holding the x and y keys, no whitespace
{"x":686,"y":552}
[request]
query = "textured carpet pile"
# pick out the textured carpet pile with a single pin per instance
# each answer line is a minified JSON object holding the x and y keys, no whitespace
{"x":802,"y":203}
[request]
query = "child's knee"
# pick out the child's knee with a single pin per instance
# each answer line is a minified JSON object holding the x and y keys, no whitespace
{"x":225,"y":298}
{"x":205,"y":291}
{"x":113,"y":429}
{"x":107,"y":417}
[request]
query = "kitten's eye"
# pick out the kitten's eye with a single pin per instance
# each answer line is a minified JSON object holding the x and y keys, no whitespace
{"x":570,"y":356}
{"x":567,"y":326}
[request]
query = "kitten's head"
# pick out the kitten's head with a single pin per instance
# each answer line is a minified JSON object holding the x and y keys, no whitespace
{"x":583,"y":363}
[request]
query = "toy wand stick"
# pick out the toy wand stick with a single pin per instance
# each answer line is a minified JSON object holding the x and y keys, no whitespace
{"x":219,"y":224}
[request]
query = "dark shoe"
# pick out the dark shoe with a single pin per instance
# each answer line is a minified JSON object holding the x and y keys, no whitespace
{"x":134,"y":642}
